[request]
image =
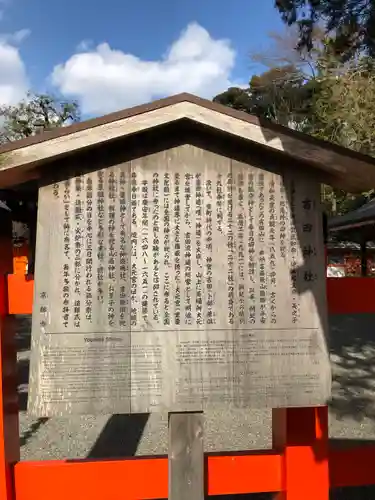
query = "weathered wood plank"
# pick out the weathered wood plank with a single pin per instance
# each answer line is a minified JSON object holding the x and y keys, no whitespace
{"x":359,"y":173}
{"x":182,"y":280}
{"x":186,"y":456}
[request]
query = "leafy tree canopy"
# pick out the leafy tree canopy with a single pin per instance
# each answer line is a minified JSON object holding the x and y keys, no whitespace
{"x":34,"y":114}
{"x":37,"y":112}
{"x":327,"y":98}
{"x":350,"y":23}
{"x":281,"y":94}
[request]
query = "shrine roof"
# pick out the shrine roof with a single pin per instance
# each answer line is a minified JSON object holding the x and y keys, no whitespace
{"x":20,"y":160}
{"x":363,"y":214}
{"x":356,"y":225}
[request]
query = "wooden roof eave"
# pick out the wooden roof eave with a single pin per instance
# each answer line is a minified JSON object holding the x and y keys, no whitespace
{"x":20,"y":161}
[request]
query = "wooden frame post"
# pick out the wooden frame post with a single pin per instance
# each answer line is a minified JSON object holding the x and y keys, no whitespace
{"x":9,"y":430}
{"x":185,"y":456}
{"x":301,"y":436}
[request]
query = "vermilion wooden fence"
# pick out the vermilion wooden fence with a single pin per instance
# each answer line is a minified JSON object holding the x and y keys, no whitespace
{"x":344,"y":295}
{"x":351,"y":295}
{"x":300,"y":466}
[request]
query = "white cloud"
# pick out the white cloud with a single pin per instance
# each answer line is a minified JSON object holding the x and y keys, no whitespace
{"x":14,"y":38}
{"x":13,"y":78}
{"x":19,"y":36}
{"x":84,"y":45}
{"x":105,"y":79}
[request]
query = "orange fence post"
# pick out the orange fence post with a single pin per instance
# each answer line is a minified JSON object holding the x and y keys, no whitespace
{"x":20,"y":259}
{"x":9,"y":434}
{"x":301,"y":436}
{"x":20,"y":294}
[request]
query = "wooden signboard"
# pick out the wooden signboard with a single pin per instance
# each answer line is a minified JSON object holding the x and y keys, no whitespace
{"x":179,"y":281}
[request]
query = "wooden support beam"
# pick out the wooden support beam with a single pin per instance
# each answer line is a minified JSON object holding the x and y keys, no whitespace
{"x":186,"y":457}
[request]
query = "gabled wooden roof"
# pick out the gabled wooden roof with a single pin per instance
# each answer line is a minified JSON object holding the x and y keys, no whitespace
{"x":363,"y":216}
{"x":19,"y":161}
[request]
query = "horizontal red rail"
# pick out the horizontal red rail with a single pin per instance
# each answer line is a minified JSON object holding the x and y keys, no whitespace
{"x":352,"y":467}
{"x":97,"y":480}
{"x":141,"y":478}
{"x":344,"y":295}
{"x":147,"y":478}
{"x":236,"y":474}
{"x":351,"y":295}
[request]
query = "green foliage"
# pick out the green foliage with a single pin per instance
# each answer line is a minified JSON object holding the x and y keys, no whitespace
{"x":31,"y":116}
{"x":36,"y":113}
{"x":236,"y":98}
{"x":281,"y":94}
{"x":344,"y":113}
{"x":339,"y":202}
{"x":350,"y":23}
{"x":345,"y":106}
{"x":334,"y":102}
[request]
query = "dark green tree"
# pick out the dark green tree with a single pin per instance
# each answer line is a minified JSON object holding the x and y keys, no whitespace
{"x":236,"y":98}
{"x":349,"y":23}
{"x":281,"y":94}
{"x":34,"y":114}
{"x":337,"y":104}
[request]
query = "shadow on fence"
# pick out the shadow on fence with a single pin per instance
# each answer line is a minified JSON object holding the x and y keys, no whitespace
{"x":352,"y":346}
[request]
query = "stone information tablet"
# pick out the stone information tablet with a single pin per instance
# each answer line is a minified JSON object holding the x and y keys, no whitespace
{"x":179,"y":281}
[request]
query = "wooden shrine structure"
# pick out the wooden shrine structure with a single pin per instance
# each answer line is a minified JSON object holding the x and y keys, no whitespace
{"x":357,"y":226}
{"x":177,"y":134}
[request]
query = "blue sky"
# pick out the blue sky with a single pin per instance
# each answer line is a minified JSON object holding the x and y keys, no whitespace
{"x":115,"y":54}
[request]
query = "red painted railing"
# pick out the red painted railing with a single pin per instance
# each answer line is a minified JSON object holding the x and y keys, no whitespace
{"x":344,"y":295}
{"x":301,"y":465}
{"x":351,"y":295}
